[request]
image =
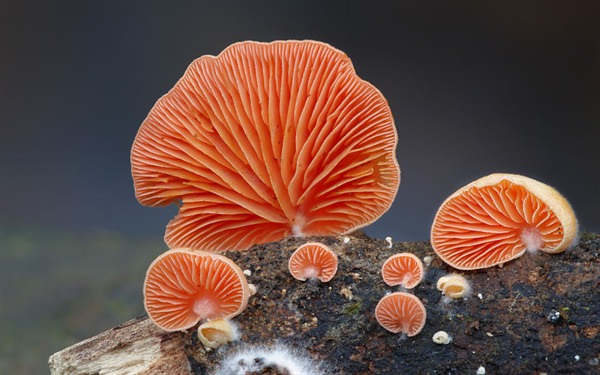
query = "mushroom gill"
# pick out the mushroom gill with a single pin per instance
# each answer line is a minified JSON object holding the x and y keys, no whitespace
{"x":183,"y":287}
{"x":403,"y":269}
{"x":313,"y":260}
{"x":497,"y":218}
{"x":264,"y":141}
{"x":401,"y":312}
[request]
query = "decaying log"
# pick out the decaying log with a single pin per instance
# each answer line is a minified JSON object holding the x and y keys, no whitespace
{"x":135,"y":347}
{"x":537,"y":314}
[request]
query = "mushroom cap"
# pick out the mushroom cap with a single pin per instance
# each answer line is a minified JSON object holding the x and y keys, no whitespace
{"x":264,"y":141}
{"x":183,"y":287}
{"x":442,"y":338}
{"x":218,"y":332}
{"x":454,"y":286}
{"x":496,"y":218}
{"x":313,"y":259}
{"x":404,"y":269}
{"x":401,"y":312}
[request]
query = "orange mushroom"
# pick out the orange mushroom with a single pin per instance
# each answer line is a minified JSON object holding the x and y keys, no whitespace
{"x":496,"y":218}
{"x":264,"y":141}
{"x":313,"y":260}
{"x":404,"y":269}
{"x":401,"y":312}
{"x":183,"y":287}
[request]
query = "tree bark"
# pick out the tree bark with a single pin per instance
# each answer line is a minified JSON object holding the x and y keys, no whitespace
{"x":537,"y":314}
{"x":135,"y":347}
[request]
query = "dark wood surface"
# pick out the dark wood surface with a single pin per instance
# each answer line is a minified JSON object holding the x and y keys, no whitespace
{"x":537,"y":314}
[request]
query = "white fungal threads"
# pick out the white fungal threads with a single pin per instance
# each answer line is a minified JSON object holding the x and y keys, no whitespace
{"x":297,"y":231}
{"x":255,"y":359}
{"x":532,"y":238}
{"x":442,"y":338}
{"x":298,"y":226}
{"x":389,"y":241}
{"x":454,"y":286}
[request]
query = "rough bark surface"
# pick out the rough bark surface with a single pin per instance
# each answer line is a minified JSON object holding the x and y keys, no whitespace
{"x":537,"y":314}
{"x":135,"y":347}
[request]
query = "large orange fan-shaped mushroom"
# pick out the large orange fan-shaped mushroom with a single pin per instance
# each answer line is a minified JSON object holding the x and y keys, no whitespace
{"x":264,"y":141}
{"x":404,"y":269}
{"x":313,"y":260}
{"x":496,"y":218}
{"x":183,"y":287}
{"x":401,"y":312}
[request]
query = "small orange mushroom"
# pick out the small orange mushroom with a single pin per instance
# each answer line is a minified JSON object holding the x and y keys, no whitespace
{"x":404,"y":269}
{"x":313,"y":260}
{"x":183,"y":287}
{"x":264,"y":141}
{"x":401,"y":312}
{"x":497,"y":218}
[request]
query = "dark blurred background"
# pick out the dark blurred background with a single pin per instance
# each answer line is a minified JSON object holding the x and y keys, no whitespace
{"x":475,"y":87}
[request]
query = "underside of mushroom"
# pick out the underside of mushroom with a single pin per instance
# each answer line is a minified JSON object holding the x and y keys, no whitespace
{"x":497,"y":218}
{"x":265,"y":141}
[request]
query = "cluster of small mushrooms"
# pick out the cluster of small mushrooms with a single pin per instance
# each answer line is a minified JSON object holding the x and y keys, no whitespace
{"x":402,"y":311}
{"x":270,"y":140}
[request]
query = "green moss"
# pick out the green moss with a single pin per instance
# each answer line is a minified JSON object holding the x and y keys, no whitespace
{"x":352,"y":309}
{"x":587,"y":236}
{"x":564,"y":313}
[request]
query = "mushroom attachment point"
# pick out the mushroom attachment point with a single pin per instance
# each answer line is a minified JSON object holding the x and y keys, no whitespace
{"x":401,"y":312}
{"x":265,"y":141}
{"x":313,"y":260}
{"x":183,"y":287}
{"x":497,"y":218}
{"x":404,"y":269}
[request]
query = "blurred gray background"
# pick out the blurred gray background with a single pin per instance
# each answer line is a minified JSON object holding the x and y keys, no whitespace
{"x":475,"y":87}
